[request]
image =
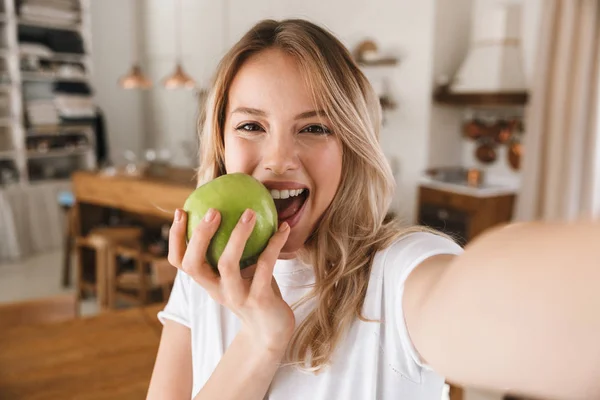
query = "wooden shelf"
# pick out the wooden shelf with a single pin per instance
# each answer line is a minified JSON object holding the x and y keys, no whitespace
{"x":387,"y":103}
{"x":443,"y":96}
{"x":381,"y":62}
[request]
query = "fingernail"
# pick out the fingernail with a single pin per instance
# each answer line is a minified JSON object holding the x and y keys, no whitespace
{"x":247,"y":216}
{"x":284,"y":227}
{"x":210,"y":215}
{"x":177,"y":217}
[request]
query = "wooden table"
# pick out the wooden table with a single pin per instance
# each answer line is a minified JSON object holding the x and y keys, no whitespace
{"x":146,"y":195}
{"x":152,"y":200}
{"x":110,"y":356}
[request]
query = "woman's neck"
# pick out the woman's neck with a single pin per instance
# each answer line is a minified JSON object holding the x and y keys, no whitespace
{"x":287,"y":256}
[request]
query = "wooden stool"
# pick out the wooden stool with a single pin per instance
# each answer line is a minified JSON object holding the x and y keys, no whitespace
{"x":103,"y":242}
{"x":151,"y":273}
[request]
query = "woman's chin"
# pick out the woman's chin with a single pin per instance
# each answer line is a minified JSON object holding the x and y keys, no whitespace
{"x":291,"y":247}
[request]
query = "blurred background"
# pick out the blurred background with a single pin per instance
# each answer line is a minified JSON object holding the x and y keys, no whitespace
{"x":489,"y":117}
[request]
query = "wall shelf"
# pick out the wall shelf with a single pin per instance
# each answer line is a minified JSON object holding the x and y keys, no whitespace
{"x":66,"y":57}
{"x":48,"y":130}
{"x":37,"y":77}
{"x":16,"y":82}
{"x":443,"y":96}
{"x":7,"y":154}
{"x":57,"y":153}
{"x":38,"y":24}
{"x":381,"y":62}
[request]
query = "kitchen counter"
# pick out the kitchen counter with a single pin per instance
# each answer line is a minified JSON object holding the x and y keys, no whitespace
{"x":488,"y":190}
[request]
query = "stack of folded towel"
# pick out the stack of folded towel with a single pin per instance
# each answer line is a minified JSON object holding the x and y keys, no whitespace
{"x":73,"y":100}
{"x":57,"y":12}
{"x":42,"y":112}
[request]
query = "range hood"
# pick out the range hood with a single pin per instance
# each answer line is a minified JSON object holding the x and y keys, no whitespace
{"x":494,"y":63}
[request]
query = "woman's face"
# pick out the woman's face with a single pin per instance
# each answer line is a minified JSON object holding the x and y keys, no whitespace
{"x":274,"y":133}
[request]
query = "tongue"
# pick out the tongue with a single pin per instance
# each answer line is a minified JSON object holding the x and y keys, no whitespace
{"x":288,"y":207}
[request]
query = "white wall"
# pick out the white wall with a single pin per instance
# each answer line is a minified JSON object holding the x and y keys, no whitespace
{"x":111,"y":43}
{"x":172,"y":114}
{"x":452,"y":32}
{"x":431,"y":36}
{"x":211,"y":27}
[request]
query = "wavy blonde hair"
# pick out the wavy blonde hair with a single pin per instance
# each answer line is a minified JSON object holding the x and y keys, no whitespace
{"x":354,"y":227}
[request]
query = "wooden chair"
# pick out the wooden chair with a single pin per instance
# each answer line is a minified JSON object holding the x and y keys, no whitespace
{"x":52,"y":309}
{"x":103,"y":242}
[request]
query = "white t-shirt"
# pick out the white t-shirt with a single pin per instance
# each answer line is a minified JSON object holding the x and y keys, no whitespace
{"x":373,"y":361}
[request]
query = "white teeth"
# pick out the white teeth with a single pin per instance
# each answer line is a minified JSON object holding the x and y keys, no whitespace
{"x":285,"y":193}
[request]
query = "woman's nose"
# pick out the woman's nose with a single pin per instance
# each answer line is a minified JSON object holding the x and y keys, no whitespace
{"x":280,"y":155}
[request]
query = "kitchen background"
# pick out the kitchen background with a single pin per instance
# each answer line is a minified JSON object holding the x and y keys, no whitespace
{"x":113,"y":87}
{"x":430,"y":39}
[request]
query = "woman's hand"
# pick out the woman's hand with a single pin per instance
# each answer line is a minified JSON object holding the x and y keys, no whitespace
{"x":256,"y":300}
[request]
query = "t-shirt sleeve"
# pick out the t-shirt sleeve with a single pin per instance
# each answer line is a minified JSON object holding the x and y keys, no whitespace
{"x":402,"y":258}
{"x":178,"y":306}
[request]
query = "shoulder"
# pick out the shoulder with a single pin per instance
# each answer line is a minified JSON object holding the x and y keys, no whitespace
{"x":412,"y":248}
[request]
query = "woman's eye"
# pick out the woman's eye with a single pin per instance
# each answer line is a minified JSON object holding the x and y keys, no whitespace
{"x":249,"y":127}
{"x":317,"y":130}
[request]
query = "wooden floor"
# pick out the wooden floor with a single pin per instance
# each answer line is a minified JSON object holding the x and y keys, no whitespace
{"x":107,"y":357}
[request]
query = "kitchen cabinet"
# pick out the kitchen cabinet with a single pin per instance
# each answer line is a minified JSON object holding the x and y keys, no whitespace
{"x":461,"y":215}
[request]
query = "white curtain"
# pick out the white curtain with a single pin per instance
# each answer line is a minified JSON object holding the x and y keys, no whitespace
{"x":561,"y":167}
{"x":31,"y":220}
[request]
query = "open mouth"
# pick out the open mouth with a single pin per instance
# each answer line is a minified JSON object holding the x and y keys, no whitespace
{"x":289,"y":204}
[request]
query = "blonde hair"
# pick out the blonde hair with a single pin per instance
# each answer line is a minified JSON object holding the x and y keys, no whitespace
{"x":352,"y":229}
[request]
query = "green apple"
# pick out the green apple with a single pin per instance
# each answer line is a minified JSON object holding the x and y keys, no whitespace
{"x":231,"y":195}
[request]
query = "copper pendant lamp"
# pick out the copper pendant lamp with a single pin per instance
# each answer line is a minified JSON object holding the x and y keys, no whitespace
{"x":179,"y":79}
{"x":135,"y":78}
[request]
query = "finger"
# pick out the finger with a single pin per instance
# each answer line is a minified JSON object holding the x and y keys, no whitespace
{"x":229,"y":263}
{"x":194,"y":261}
{"x":177,"y":235}
{"x":263,"y":275}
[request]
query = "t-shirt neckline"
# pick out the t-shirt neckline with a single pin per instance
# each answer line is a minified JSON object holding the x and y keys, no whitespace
{"x":288,"y":266}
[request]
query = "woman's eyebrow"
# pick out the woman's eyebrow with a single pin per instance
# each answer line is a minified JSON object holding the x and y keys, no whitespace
{"x":310,"y":114}
{"x":250,"y":111}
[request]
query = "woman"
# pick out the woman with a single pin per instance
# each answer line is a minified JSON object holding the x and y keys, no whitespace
{"x":342,"y":305}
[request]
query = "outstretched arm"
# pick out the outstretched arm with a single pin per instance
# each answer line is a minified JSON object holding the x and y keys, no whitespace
{"x":518,"y":311}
